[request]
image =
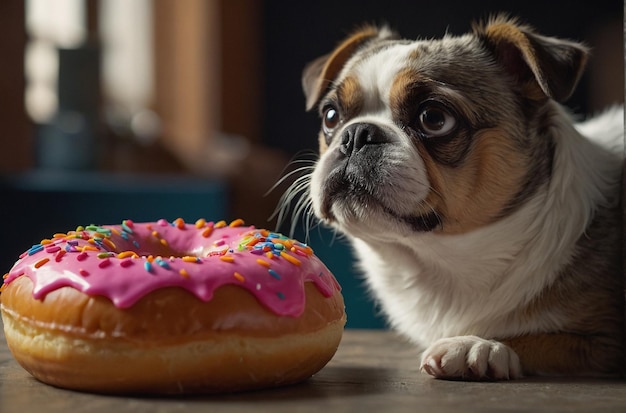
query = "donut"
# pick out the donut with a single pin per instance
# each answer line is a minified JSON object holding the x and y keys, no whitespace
{"x":170,"y":308}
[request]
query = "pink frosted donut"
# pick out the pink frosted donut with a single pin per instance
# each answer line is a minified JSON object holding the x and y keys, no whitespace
{"x":166,"y":307}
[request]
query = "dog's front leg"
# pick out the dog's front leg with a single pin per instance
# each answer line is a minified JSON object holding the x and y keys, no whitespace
{"x":471,"y":358}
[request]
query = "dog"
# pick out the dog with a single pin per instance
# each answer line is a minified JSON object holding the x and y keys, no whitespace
{"x":486,"y":220}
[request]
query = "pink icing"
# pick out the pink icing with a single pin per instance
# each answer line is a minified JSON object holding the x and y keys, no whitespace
{"x":120,"y":263}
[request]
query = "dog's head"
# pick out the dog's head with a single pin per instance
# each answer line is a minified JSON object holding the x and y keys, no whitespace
{"x":435,"y":135}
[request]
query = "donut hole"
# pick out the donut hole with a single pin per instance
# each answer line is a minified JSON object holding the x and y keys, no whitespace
{"x":154,"y":246}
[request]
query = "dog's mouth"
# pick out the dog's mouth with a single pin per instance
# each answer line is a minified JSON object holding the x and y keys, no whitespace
{"x":352,"y":199}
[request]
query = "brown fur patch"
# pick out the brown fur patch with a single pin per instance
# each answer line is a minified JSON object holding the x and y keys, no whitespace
{"x":350,"y":95}
{"x":404,"y":86}
{"x":567,"y":354}
{"x":475,"y":193}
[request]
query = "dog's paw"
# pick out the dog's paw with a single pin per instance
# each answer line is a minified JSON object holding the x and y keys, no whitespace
{"x":471,"y":358}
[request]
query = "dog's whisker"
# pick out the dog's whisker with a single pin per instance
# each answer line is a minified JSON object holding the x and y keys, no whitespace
{"x":289,"y":175}
{"x":296,"y":200}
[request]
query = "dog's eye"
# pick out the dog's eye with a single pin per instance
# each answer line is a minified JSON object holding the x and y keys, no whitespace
{"x":331,"y":119}
{"x":435,"y":121}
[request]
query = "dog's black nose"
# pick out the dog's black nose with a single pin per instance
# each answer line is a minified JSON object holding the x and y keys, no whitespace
{"x":357,"y":135}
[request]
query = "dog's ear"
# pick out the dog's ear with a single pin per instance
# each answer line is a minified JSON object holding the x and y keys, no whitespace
{"x":554,"y":65}
{"x":319,"y":74}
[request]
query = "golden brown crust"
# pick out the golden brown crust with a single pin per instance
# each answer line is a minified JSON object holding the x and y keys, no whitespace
{"x":168,"y":314}
{"x":169,"y":341}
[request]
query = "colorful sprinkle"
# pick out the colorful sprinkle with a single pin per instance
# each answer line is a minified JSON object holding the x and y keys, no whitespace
{"x":35,"y":249}
{"x":147,"y":266}
{"x":104,"y":263}
{"x":280,"y":295}
{"x":180,"y":223}
{"x":83,"y":272}
{"x":41,"y":262}
{"x":208,"y":231}
{"x":236,"y":223}
{"x":263,"y":263}
{"x":220,"y":224}
{"x":60,"y":255}
{"x":189,"y":258}
{"x":184,"y":273}
{"x":126,"y":262}
{"x":126,"y":254}
{"x":109,"y":243}
{"x":200,"y":223}
{"x":299,"y":252}
{"x":104,"y":231}
{"x":127,"y":228}
{"x":82,"y":256}
{"x":227,"y":258}
{"x":239,"y":277}
{"x":52,"y":249}
{"x":252,"y":242}
{"x":290,"y":258}
{"x":217,"y":253}
{"x":274,"y":274}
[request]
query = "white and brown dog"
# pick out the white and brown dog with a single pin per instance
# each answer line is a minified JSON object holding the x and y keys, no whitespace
{"x":487,"y":223}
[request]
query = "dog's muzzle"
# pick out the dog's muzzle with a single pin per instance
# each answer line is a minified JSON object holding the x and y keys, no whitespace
{"x":359,"y":174}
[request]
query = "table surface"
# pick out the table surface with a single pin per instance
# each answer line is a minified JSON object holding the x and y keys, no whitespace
{"x":372,"y":371}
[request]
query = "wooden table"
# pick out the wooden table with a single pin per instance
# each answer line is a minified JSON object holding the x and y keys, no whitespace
{"x":372,"y":371}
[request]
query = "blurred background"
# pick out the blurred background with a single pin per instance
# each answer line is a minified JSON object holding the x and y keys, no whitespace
{"x":149,"y":109}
